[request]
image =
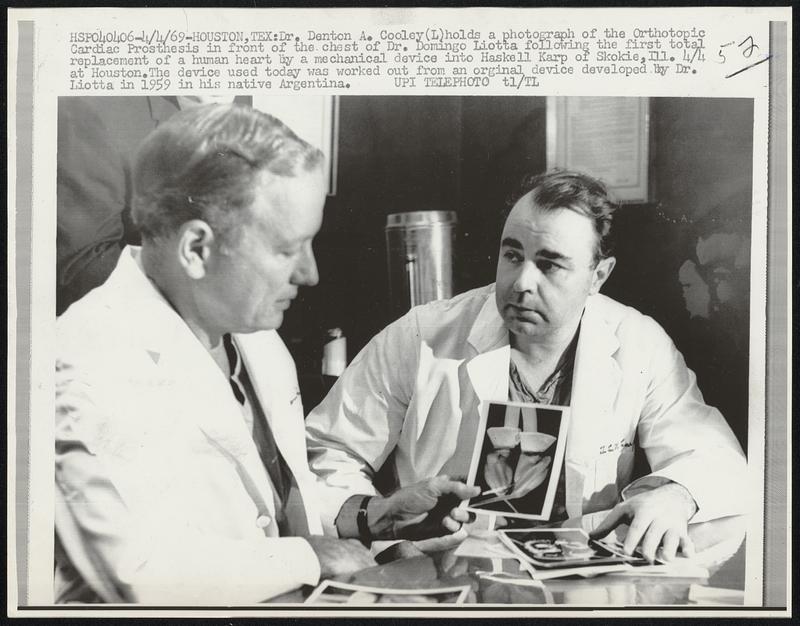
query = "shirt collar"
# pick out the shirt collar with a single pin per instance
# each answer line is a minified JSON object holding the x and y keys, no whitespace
{"x":551,"y":388}
{"x":488,"y":331}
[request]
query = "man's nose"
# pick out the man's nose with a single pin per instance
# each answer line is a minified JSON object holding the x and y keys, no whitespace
{"x":527,"y":278}
{"x":306,"y":272}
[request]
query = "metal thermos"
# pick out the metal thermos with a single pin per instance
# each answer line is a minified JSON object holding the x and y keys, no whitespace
{"x":419,"y":247}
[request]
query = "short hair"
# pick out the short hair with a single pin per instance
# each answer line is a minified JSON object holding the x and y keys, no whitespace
{"x":204,"y":163}
{"x":588,"y":196}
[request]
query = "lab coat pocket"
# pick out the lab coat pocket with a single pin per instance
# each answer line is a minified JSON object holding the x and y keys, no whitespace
{"x":612,"y":472}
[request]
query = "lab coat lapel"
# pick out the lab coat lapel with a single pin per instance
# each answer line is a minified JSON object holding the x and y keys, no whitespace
{"x":488,"y":370}
{"x":488,"y":373}
{"x":435,"y":414}
{"x":595,"y":384}
{"x":177,"y":354}
{"x":167,"y":340}
{"x":275,"y":387}
{"x":220,"y":417}
{"x":275,"y":384}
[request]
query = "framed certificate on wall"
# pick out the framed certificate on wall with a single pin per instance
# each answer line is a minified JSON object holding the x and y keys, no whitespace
{"x":314,"y":119}
{"x":607,"y":137}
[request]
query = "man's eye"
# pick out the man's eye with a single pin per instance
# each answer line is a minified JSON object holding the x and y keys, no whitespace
{"x":546,"y":266}
{"x":513,"y":256}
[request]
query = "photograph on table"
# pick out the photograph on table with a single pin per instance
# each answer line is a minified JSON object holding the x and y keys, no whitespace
{"x":333,"y":592}
{"x":509,"y":581}
{"x":518,"y":459}
{"x":563,"y":547}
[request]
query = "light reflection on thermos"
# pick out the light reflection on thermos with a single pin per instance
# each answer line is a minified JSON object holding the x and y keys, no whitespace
{"x":419,"y":248}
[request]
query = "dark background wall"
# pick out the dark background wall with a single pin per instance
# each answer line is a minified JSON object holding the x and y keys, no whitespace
{"x":466,"y":154}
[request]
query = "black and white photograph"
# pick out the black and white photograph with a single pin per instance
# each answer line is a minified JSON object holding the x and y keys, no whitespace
{"x":562,"y":547}
{"x":519,"y":460}
{"x":332,"y":592}
{"x":343,"y":308}
{"x":192,"y":334}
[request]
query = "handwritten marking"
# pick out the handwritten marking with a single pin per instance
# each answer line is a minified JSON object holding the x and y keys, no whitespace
{"x":744,"y":69}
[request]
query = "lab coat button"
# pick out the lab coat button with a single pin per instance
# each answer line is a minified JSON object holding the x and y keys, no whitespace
{"x":262,"y":521}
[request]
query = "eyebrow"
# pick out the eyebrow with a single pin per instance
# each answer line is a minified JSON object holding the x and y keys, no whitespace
{"x":552,"y":255}
{"x":510,"y":242}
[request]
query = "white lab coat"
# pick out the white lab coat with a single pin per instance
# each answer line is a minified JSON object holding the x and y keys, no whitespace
{"x":154,"y":461}
{"x":412,"y":397}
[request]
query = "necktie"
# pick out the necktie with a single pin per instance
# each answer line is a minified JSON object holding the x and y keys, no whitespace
{"x":289,"y":508}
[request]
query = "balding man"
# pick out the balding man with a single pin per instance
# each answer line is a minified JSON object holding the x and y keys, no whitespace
{"x":181,"y":465}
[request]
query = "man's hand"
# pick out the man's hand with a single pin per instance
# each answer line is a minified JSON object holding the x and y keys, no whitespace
{"x":445,"y":542}
{"x":425,"y":509}
{"x":658,"y":517}
{"x":338,"y":557}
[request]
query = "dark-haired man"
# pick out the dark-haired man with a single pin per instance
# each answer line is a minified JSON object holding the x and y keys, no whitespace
{"x":408,"y":405}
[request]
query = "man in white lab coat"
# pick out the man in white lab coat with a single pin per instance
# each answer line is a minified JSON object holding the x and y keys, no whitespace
{"x":408,"y":405}
{"x":181,"y":467}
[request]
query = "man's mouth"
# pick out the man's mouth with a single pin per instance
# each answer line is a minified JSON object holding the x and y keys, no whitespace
{"x":526,"y":314}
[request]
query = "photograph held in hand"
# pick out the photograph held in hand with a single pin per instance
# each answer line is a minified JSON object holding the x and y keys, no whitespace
{"x":517,"y":461}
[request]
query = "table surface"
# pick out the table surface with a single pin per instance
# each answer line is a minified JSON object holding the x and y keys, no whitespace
{"x":719,"y":546}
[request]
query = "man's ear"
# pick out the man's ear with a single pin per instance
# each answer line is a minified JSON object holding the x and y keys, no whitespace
{"x":602,"y":271}
{"x":195,"y":247}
